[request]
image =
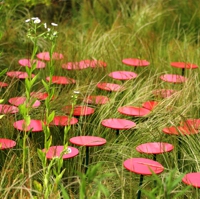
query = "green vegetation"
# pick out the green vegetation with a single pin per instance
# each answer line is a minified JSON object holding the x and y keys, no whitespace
{"x":159,"y":31}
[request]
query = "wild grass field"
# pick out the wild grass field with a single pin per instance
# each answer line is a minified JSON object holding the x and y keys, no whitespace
{"x":159,"y":31}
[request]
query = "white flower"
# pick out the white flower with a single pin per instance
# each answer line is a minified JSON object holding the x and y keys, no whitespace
{"x":27,"y":20}
{"x":55,"y":33}
{"x":54,"y":24}
{"x":37,"y":21}
{"x":45,"y":25}
{"x":69,"y":150}
{"x":34,"y":18}
{"x":48,"y":29}
{"x":76,"y":92}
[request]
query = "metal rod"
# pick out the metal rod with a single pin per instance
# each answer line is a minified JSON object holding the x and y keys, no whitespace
{"x":117,"y":132}
{"x":140,"y":184}
{"x":87,"y":159}
{"x":183,"y":71}
{"x":154,"y":157}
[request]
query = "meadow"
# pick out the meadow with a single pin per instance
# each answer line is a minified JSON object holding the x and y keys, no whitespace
{"x":108,"y":31}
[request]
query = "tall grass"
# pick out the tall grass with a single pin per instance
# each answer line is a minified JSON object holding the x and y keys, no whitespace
{"x":158,"y":31}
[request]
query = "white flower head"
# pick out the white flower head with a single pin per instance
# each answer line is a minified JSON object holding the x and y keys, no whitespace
{"x":45,"y":25}
{"x":34,"y":18}
{"x":36,"y":21}
{"x":68,"y":151}
{"x":76,"y":92}
{"x":27,"y":20}
{"x":48,"y":29}
{"x":55,"y":33}
{"x":54,"y":24}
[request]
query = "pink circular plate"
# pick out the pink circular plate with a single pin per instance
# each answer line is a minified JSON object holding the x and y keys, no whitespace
{"x":61,"y":80}
{"x":16,"y":101}
{"x":143,"y":166}
{"x":18,"y":74}
{"x":6,"y":143}
{"x":123,"y":75}
{"x":133,"y":111}
{"x":110,"y":87}
{"x":99,"y":99}
{"x":150,"y":105}
{"x":88,"y":141}
{"x":75,"y":65}
{"x":57,"y":151}
{"x":79,"y":110}
{"x":164,"y":93}
{"x":180,"y":130}
{"x":3,"y":84}
{"x":34,"y":126}
{"x":183,"y":65}
{"x":155,"y":148}
{"x":6,"y":108}
{"x":171,"y":78}
{"x":63,"y":121}
{"x":39,"y":95}
{"x":135,"y":62}
{"x":45,"y":56}
{"x":27,"y":62}
{"x":119,"y":124}
{"x":192,"y":179}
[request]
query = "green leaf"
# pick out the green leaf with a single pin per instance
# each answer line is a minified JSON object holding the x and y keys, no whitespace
{"x":46,"y":86}
{"x":41,"y":155}
{"x":1,"y":116}
{"x":64,"y":192}
{"x":51,"y":117}
{"x":37,"y":186}
{"x":33,"y":80}
{"x":1,"y":101}
{"x":28,"y":84}
{"x":3,"y":72}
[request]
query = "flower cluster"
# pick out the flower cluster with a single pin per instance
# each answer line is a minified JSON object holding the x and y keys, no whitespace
{"x":35,"y":23}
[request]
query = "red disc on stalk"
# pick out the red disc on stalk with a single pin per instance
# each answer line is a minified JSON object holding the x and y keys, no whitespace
{"x":184,"y":65}
{"x":154,"y":148}
{"x":6,"y":109}
{"x":16,"y":101}
{"x":18,"y":74}
{"x":61,"y":80}
{"x":88,"y":141}
{"x":119,"y":124}
{"x":34,"y":126}
{"x":164,"y":93}
{"x":150,"y":105}
{"x":75,"y":66}
{"x":110,"y":87}
{"x":135,"y":62}
{"x":180,"y":130}
{"x":98,"y":99}
{"x":27,"y":62}
{"x":93,"y":63}
{"x":192,"y":179}
{"x":6,"y":143}
{"x":3,"y":84}
{"x":62,"y":120}
{"x":57,"y":151}
{"x":171,"y":78}
{"x":46,"y":56}
{"x":133,"y":111}
{"x":39,"y":95}
{"x":79,"y":110}
{"x":143,"y":166}
{"x":123,"y":75}
{"x":192,"y":123}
